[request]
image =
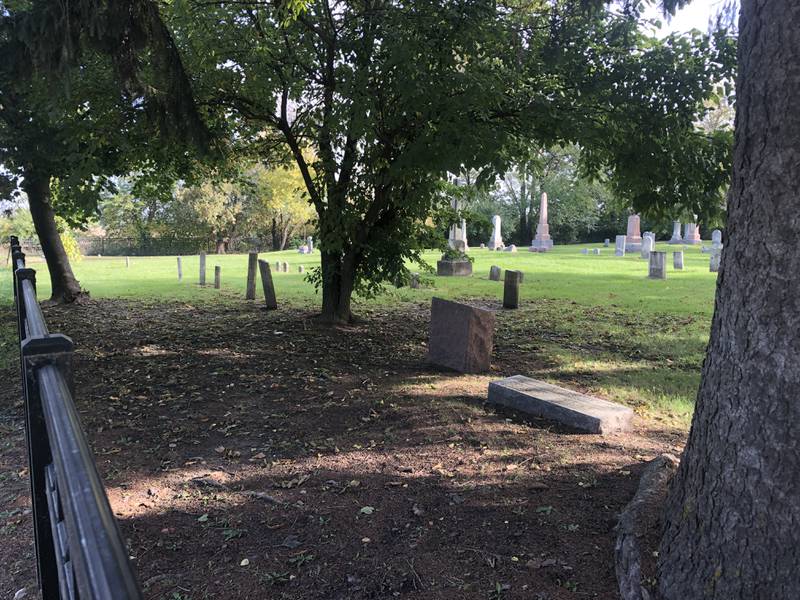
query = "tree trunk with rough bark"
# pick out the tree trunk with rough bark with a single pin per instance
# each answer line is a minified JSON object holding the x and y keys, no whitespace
{"x":733,"y":514}
{"x":65,"y":287}
{"x":338,"y":280}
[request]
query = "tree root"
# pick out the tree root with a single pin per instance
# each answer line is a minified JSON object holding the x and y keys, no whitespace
{"x":635,"y":520}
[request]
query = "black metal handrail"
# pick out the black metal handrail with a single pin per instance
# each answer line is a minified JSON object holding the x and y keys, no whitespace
{"x":79,"y":548}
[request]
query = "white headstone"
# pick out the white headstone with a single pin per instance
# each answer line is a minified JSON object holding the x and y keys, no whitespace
{"x":647,"y":246}
{"x":606,"y":242}
{"x":542,"y":242}
{"x":310,"y":244}
{"x":511,"y":248}
{"x":676,"y":233}
{"x":496,"y":241}
{"x":716,"y":238}
{"x":716,"y":258}
{"x":597,"y":251}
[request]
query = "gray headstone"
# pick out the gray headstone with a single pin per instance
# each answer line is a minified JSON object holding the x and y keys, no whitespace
{"x":494,"y":273}
{"x":511,"y":289}
{"x":584,"y":251}
{"x":461,"y":336}
{"x":217,"y":277}
{"x":606,"y":243}
{"x":202,"y":268}
{"x":301,"y":269}
{"x":252,"y":264}
{"x":285,"y":267}
{"x":647,"y":246}
{"x":677,"y":261}
{"x":676,"y":233}
{"x":658,"y":265}
{"x":541,"y":399}
{"x":310,"y":243}
{"x":619,"y":248}
{"x":127,"y":262}
{"x":511,"y":248}
{"x":596,"y":251}
{"x":454,"y":268}
{"x":414,"y":281}
{"x":180,"y":270}
{"x":716,"y":238}
{"x":266,"y":283}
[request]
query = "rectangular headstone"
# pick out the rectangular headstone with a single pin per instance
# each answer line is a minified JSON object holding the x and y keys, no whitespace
{"x":658,"y":265}
{"x":511,"y":289}
{"x":494,"y":273}
{"x":677,"y":260}
{"x":202,"y":268}
{"x":252,"y":262}
{"x":217,"y":277}
{"x":606,"y":242}
{"x":461,"y":336}
{"x":619,"y":249}
{"x":180,"y":269}
{"x":574,"y":409}
{"x":714,"y":261}
{"x":453,"y":268}
{"x":266,"y":283}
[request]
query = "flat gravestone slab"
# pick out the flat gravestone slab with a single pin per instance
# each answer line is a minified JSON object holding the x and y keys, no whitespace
{"x":571,"y":408}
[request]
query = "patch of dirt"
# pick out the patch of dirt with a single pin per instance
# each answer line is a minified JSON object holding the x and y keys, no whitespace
{"x":252,"y":454}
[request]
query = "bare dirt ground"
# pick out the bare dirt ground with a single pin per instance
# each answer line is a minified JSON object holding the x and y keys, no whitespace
{"x":257,"y":455}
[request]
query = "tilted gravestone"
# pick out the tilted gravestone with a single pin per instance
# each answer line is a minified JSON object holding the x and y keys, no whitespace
{"x":252,"y":262}
{"x":658,"y":265}
{"x":461,"y":336}
{"x":266,"y":283}
{"x":677,"y":260}
{"x":511,"y":289}
{"x":576,"y":410}
{"x":494,"y":273}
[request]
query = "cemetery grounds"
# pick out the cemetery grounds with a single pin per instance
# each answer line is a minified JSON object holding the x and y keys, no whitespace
{"x":255,"y":454}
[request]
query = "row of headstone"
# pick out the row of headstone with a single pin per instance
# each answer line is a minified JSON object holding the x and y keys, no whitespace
{"x":658,"y":264}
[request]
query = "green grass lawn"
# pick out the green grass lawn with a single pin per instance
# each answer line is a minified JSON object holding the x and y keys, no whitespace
{"x":601,"y":321}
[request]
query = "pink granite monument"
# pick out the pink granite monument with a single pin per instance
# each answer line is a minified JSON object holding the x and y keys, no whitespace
{"x":633,"y":240}
{"x":542,"y":242}
{"x":692,"y":234}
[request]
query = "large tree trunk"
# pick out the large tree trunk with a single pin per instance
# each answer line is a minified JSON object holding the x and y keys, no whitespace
{"x":338,"y":278}
{"x":733,"y":515}
{"x":65,"y":288}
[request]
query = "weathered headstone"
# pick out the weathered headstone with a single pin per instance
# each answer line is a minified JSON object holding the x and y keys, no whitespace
{"x":633,"y":239}
{"x":458,"y":234}
{"x":461,"y":336}
{"x":542,"y":242}
{"x":548,"y":401}
{"x":691,"y":234}
{"x":619,"y":249}
{"x":606,"y":243}
{"x":202,"y":268}
{"x":252,"y":263}
{"x":496,"y":241}
{"x":584,"y":251}
{"x":714,"y":261}
{"x":677,"y":260}
{"x":266,"y":283}
{"x":310,"y":244}
{"x":511,"y":248}
{"x":277,"y":266}
{"x":127,"y":262}
{"x":658,"y":265}
{"x":285,"y":267}
{"x":301,"y":269}
{"x":180,"y":270}
{"x":414,"y":281}
{"x":716,"y":238}
{"x":596,"y":251}
{"x":676,"y":233}
{"x":647,"y":247}
{"x":217,"y":277}
{"x":511,"y":289}
{"x":494,"y":273}
{"x":453,"y":268}
{"x":483,"y":246}
{"x":303,"y":250}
